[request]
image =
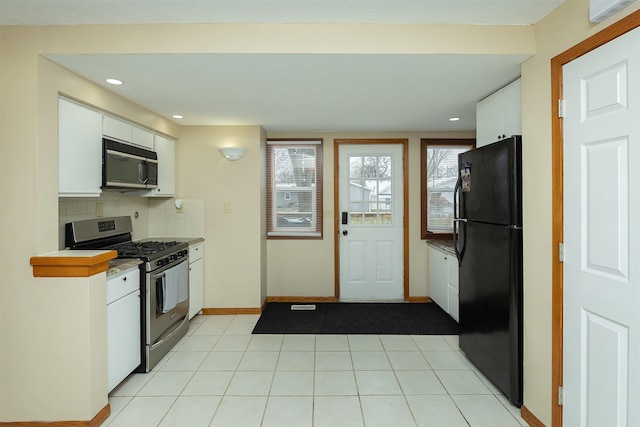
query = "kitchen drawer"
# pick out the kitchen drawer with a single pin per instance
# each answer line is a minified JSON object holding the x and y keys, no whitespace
{"x":195,"y":251}
{"x":122,"y":283}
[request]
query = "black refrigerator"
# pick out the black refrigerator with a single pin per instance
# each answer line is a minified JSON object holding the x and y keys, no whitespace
{"x":488,"y":244}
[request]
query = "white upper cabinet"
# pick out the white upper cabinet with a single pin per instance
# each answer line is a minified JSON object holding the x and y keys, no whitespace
{"x":512,"y":108}
{"x":166,"y":150}
{"x":79,"y":150}
{"x":499,"y":115}
{"x":142,"y":137}
{"x":81,"y":130}
{"x":126,"y":132}
{"x":117,"y":129}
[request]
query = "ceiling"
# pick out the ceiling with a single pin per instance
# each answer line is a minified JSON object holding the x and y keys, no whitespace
{"x":295,"y":92}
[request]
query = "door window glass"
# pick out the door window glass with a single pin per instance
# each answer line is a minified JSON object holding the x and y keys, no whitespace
{"x":371,"y":190}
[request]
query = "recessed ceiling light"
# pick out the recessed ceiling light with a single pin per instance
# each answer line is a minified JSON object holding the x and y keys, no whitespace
{"x":454,"y":119}
{"x":114,"y":82}
{"x":177,"y":116}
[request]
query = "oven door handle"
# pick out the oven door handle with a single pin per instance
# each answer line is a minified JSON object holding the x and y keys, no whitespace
{"x":160,"y":291}
{"x":170,"y":334}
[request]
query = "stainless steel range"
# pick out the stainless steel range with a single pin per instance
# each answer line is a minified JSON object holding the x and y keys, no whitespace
{"x":164,"y":280}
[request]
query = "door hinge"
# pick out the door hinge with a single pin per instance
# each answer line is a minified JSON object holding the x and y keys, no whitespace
{"x":561,"y":252}
{"x":560,"y":395}
{"x":561,"y":108}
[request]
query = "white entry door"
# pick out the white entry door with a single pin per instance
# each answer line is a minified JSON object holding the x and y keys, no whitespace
{"x":601,"y":360}
{"x":371,"y":222}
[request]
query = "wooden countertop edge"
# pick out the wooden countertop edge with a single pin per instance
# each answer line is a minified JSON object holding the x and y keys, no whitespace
{"x":50,"y":265}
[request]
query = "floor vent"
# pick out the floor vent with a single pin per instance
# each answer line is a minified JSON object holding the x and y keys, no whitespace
{"x":303,"y":306}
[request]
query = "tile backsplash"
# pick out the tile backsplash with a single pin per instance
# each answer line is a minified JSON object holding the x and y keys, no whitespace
{"x":155,"y":217}
{"x":167,"y":220}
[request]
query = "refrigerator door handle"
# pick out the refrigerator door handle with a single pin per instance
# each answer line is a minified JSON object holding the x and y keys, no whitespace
{"x":456,"y":219}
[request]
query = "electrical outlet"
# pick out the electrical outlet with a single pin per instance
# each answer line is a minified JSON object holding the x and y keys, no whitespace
{"x":227,"y":207}
{"x":327,"y":213}
{"x":99,"y":209}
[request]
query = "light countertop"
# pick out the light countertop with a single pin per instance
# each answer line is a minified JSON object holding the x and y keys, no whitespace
{"x":442,"y":245}
{"x":120,"y":264}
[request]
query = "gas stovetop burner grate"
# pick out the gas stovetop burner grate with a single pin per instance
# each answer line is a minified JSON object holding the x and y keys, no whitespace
{"x":135,"y":249}
{"x":148,"y":250}
{"x":115,"y":233}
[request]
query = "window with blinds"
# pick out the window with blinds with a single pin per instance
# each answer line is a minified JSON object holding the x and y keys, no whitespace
{"x":439,"y":172}
{"x":294,"y":188}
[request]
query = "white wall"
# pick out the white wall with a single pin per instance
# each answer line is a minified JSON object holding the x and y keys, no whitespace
{"x":234,"y":251}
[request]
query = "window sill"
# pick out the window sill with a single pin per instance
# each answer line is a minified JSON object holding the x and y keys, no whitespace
{"x":438,"y":236}
{"x":294,"y":236}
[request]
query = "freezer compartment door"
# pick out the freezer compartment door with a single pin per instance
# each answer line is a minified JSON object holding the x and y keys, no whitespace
{"x":491,"y":183}
{"x":491,"y":304}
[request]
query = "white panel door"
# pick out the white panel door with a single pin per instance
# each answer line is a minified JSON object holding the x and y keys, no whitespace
{"x":371,"y":230}
{"x":601,"y":361}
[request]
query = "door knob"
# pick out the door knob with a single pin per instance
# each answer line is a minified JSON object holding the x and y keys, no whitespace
{"x":345,"y":232}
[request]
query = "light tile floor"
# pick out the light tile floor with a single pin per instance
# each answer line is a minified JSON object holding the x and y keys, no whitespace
{"x":221,"y":375}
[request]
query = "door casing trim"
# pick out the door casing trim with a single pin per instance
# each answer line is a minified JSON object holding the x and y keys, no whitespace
{"x":405,"y":207}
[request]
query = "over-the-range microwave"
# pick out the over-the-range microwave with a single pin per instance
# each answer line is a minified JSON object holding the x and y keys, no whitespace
{"x":128,"y":167}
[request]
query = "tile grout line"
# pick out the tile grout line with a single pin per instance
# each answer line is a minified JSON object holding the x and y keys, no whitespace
{"x":390,"y":347}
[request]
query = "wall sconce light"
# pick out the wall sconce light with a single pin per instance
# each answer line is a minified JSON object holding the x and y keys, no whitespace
{"x":232,"y":153}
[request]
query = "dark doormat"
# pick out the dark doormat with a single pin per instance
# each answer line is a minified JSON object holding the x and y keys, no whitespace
{"x":357,"y":318}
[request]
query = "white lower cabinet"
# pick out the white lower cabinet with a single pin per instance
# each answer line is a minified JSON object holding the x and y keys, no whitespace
{"x":452,"y":285}
{"x":443,"y":280}
{"x":123,"y":325}
{"x":438,"y":278}
{"x":196,"y":278}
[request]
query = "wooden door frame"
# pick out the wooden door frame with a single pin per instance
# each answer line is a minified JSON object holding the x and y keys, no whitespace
{"x":615,"y":30}
{"x":405,"y":207}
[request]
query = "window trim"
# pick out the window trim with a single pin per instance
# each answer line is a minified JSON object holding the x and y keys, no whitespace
{"x":424,"y":190}
{"x":306,"y":234}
